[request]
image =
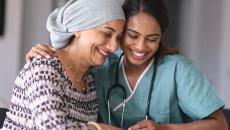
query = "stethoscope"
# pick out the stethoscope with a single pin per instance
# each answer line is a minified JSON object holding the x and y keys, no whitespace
{"x":124,"y":94}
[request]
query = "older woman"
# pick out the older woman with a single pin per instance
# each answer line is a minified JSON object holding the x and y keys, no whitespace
{"x":59,"y":93}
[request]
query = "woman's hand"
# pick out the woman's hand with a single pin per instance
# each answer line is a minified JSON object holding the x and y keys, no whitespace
{"x":38,"y":51}
{"x":144,"y":125}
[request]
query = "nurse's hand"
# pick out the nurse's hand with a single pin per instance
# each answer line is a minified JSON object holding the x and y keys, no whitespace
{"x":109,"y":127}
{"x":38,"y":51}
{"x":144,"y":125}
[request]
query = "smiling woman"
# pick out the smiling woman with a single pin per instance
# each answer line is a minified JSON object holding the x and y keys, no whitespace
{"x":59,"y":93}
{"x":2,"y":12}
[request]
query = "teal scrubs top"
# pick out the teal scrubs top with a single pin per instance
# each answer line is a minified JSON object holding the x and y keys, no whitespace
{"x":181,"y":92}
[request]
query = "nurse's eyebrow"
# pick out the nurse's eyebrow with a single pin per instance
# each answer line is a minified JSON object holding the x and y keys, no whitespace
{"x":156,"y":34}
{"x":110,"y":29}
{"x":132,"y":31}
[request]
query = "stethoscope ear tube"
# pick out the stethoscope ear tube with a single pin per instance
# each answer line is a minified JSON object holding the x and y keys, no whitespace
{"x":124,"y":95}
{"x":116,"y":85}
{"x":151,"y":89}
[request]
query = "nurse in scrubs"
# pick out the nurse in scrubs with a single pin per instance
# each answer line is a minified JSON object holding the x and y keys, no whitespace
{"x":156,"y":89}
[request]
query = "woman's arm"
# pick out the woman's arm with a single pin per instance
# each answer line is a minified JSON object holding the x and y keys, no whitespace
{"x":215,"y":121}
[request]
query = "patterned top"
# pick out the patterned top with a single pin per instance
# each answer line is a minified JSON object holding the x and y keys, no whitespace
{"x":44,"y":98}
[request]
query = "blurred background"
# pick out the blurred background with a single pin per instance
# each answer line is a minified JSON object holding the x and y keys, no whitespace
{"x":200,"y":28}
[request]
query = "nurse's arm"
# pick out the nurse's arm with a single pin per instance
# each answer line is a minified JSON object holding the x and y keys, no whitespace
{"x":215,"y":121}
{"x":40,"y":50}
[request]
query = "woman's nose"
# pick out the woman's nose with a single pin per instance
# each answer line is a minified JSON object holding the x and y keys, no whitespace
{"x":113,"y":45}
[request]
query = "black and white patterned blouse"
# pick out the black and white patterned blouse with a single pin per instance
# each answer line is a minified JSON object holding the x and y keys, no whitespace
{"x":44,"y":98}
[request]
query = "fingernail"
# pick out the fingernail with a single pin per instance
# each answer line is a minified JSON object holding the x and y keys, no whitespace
{"x":129,"y":129}
{"x":47,"y":56}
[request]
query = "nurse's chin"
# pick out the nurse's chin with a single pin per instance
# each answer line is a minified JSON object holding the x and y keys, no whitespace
{"x":140,"y":62}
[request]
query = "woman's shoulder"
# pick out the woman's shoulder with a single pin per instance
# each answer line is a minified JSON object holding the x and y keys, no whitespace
{"x":41,"y":66}
{"x":43,"y":63}
{"x":41,"y":71}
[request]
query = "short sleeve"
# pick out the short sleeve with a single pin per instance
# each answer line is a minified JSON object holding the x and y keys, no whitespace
{"x":196,"y":96}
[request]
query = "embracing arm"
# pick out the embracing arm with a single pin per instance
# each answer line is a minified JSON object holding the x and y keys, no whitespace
{"x":40,"y":50}
{"x":215,"y":121}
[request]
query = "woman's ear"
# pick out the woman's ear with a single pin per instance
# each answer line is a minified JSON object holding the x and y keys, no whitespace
{"x":77,"y":34}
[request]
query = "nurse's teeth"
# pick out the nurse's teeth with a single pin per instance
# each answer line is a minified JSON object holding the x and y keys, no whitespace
{"x":138,"y":54}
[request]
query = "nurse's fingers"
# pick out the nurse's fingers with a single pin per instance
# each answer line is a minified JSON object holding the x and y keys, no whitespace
{"x":38,"y":51}
{"x":149,"y":124}
{"x":144,"y":124}
{"x":45,"y":49}
{"x":137,"y":127}
{"x":30,"y":55}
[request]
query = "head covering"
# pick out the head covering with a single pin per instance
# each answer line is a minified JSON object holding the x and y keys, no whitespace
{"x":79,"y":15}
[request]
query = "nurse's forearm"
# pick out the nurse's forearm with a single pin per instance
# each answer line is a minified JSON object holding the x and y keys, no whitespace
{"x":215,"y":121}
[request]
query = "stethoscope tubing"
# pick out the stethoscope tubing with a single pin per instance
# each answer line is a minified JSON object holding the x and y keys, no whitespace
{"x":124,"y":96}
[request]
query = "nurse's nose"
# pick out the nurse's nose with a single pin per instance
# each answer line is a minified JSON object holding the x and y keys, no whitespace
{"x":140,"y":44}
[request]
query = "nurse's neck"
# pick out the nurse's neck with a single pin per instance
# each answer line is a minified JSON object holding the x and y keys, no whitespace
{"x":133,"y":68}
{"x":133,"y":71}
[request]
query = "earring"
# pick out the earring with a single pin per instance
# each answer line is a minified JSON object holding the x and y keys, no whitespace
{"x":77,"y":35}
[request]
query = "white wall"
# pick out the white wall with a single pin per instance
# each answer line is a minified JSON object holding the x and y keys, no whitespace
{"x":224,"y":59}
{"x":25,"y":25}
{"x":10,"y":45}
{"x":204,"y":38}
{"x":35,"y":14}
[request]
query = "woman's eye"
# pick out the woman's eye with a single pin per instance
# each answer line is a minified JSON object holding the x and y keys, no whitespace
{"x":108,"y":35}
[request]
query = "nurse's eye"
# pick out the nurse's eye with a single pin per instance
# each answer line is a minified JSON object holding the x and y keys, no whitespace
{"x":133,"y":36}
{"x":151,"y":40}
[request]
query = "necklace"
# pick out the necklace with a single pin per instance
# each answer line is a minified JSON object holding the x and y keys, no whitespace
{"x":79,"y":82}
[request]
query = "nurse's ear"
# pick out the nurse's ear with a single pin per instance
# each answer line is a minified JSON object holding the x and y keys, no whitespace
{"x":77,"y":34}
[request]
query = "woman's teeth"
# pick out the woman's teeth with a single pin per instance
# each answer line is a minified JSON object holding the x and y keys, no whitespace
{"x":102,"y":52}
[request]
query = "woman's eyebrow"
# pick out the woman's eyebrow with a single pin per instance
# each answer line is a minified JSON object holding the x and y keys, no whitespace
{"x":110,"y":28}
